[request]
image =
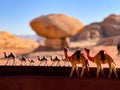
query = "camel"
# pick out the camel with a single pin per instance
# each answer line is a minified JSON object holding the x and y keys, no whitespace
{"x":118,"y":48}
{"x":23,"y":59}
{"x":77,"y":58}
{"x":5,"y":55}
{"x":65,"y":60}
{"x":10,"y":56}
{"x":31,"y":62}
{"x":43,"y":59}
{"x":56,"y":59}
{"x":102,"y":58}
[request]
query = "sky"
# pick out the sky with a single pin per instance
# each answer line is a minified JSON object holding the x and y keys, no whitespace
{"x":15,"y":15}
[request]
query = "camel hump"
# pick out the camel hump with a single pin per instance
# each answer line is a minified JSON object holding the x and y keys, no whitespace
{"x":118,"y":46}
{"x":78,"y":54}
{"x":102,"y":55}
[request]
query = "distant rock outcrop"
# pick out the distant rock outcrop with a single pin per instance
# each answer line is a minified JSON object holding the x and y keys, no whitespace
{"x":56,"y":28}
{"x":113,"y":40}
{"x":8,"y":40}
{"x":92,"y":31}
{"x":110,"y":26}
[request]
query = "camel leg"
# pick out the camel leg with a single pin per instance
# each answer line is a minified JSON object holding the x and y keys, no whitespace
{"x":33,"y":64}
{"x":110,"y":70}
{"x":98,"y":71}
{"x":73,"y":67}
{"x":69,"y":63}
{"x":21,"y":63}
{"x":45,"y":63}
{"x":77,"y":70}
{"x":87,"y":67}
{"x":40,"y":63}
{"x":30,"y":64}
{"x":64,"y":63}
{"x":57,"y":63}
{"x":83,"y":69}
{"x":14,"y":62}
{"x":7,"y":62}
{"x":52,"y":64}
{"x":102,"y":71}
{"x":25,"y":63}
{"x":114,"y":70}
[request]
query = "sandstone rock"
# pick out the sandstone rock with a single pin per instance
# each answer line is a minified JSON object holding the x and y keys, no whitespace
{"x":8,"y":40}
{"x":92,"y":31}
{"x":56,"y":26}
{"x":56,"y":43}
{"x":110,"y":29}
{"x":114,"y":40}
{"x":111,"y":25}
{"x":112,"y":19}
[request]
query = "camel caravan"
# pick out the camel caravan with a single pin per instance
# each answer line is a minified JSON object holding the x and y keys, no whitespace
{"x":78,"y":57}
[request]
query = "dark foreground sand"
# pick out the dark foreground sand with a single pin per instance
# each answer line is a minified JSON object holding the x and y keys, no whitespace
{"x":57,"y":83}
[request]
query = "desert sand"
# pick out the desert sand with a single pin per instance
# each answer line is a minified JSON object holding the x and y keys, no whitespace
{"x":60,"y":82}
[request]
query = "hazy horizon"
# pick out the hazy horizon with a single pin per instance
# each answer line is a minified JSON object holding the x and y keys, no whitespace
{"x":16,"y":15}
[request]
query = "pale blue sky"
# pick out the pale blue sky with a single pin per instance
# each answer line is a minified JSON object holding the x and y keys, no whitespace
{"x":15,"y":15}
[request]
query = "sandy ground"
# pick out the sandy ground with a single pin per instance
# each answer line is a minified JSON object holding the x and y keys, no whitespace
{"x":20,"y":82}
{"x":29,"y":53}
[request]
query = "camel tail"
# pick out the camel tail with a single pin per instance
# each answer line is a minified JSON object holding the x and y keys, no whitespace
{"x":78,"y":54}
{"x":111,"y":60}
{"x":114,"y":63}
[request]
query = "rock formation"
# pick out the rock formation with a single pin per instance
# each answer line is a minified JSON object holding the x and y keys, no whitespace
{"x":92,"y":31}
{"x":56,"y":28}
{"x":109,"y":27}
{"x":113,"y":40}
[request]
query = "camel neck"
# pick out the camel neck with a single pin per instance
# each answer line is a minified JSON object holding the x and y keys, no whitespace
{"x":66,"y":55}
{"x":5,"y":55}
{"x":90,"y":58}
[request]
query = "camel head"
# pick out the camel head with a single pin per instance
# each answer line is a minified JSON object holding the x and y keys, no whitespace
{"x":87,"y":50}
{"x":5,"y":54}
{"x":66,"y":49}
